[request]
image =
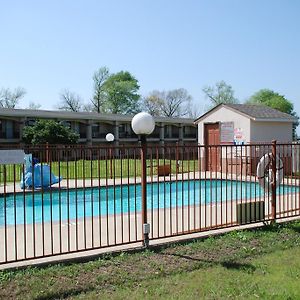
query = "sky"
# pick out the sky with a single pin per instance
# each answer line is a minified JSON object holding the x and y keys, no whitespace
{"x":48,"y":46}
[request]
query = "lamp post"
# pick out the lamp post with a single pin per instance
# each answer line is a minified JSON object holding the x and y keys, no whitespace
{"x":143,"y":124}
{"x":110,"y":138}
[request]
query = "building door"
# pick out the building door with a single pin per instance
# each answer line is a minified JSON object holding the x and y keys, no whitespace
{"x":212,"y":141}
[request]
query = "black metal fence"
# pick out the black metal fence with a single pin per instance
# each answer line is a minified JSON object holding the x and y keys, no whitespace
{"x":77,"y":198}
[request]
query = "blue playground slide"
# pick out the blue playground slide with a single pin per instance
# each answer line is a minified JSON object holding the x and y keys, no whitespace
{"x":40,"y":177}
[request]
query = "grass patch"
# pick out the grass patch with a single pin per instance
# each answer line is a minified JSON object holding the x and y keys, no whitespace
{"x":262,"y":263}
{"x":272,"y":276}
{"x":99,"y":168}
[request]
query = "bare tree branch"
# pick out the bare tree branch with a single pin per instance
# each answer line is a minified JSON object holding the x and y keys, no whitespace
{"x":153,"y":103}
{"x":177,"y":103}
{"x":70,"y":101}
{"x":174,"y":103}
{"x":220,"y":93}
{"x":9,"y":98}
{"x":33,"y":105}
{"x":99,"y":78}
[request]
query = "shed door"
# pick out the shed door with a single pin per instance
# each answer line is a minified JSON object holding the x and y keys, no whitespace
{"x":212,"y":153}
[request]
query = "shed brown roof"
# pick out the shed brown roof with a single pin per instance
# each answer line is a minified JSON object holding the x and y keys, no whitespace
{"x":256,"y":112}
{"x":260,"y":111}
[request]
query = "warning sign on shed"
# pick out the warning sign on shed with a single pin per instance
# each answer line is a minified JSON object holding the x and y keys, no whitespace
{"x":227,"y":132}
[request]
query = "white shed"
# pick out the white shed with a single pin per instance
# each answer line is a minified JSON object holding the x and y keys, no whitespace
{"x":241,"y":124}
{"x":244,"y":124}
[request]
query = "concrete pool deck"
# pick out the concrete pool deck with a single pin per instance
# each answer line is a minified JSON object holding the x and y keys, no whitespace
{"x":10,"y":188}
{"x":88,"y":182}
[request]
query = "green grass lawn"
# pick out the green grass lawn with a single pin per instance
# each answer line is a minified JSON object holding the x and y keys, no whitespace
{"x":272,"y":276}
{"x":253,"y":264}
{"x":99,"y":168}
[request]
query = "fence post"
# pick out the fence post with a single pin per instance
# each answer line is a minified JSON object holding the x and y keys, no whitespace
{"x":177,"y":158}
{"x":47,"y":152}
{"x":273,"y":183}
{"x":146,"y":227}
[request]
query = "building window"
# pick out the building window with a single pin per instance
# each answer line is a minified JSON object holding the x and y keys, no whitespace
{"x":2,"y":129}
{"x":125,"y":131}
{"x":30,"y":122}
{"x":95,"y":130}
{"x":66,"y":123}
{"x":189,"y":132}
{"x":175,"y":132}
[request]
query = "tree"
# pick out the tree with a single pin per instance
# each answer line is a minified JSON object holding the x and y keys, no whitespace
{"x":10,"y":98}
{"x":70,"y":101}
{"x":220,"y":93}
{"x":99,"y":97}
{"x":49,"y":131}
{"x":114,"y":93}
{"x":153,"y":103}
{"x":177,"y":103}
{"x":120,"y":94}
{"x":34,"y":106}
{"x":194,"y":111}
{"x":275,"y":100}
{"x":174,"y":103}
{"x":272,"y":99}
{"x":88,"y":107}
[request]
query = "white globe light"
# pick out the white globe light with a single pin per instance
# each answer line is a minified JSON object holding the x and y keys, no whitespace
{"x":110,"y":137}
{"x":142,"y":123}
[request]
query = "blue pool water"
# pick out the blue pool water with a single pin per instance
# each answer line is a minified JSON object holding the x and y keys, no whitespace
{"x":71,"y":204}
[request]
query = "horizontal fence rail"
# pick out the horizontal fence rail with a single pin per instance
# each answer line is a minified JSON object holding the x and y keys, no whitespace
{"x":77,"y":198}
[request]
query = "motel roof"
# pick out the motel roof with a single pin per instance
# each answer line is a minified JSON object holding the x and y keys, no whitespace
{"x":68,"y":115}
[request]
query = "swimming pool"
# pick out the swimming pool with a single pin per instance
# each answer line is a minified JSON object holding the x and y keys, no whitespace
{"x":71,"y":204}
